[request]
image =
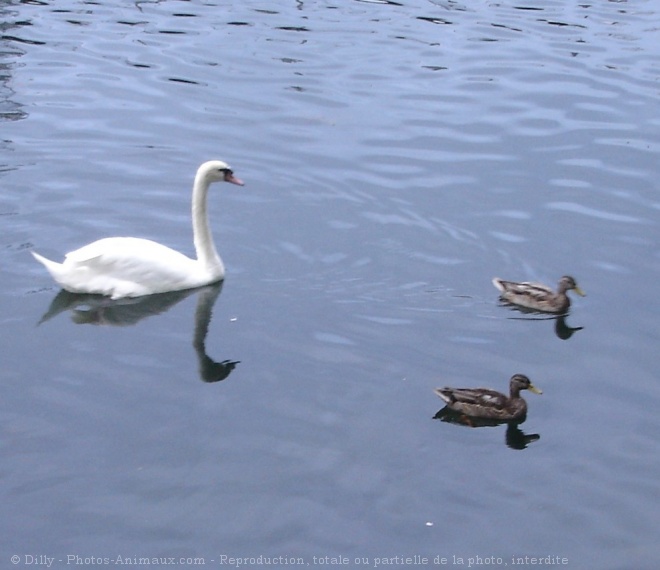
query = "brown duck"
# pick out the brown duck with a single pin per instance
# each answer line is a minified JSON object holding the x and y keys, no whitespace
{"x":489,"y":404}
{"x":537,"y":296}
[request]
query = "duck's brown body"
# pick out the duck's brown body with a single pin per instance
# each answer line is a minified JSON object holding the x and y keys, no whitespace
{"x":536,"y":296}
{"x":489,"y":404}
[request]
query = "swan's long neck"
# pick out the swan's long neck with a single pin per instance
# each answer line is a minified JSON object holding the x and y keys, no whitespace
{"x":203,"y":239}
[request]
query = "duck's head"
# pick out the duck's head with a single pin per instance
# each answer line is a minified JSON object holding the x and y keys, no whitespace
{"x":521,"y":382}
{"x":566,"y":283}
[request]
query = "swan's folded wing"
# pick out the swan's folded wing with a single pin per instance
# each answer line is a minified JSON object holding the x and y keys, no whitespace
{"x":121,"y":250}
{"x":109,"y":248}
{"x":128,"y":267}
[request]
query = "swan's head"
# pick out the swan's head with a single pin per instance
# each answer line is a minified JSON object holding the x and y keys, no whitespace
{"x":218,"y":171}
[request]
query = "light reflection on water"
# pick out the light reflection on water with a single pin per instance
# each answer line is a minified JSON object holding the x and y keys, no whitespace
{"x":397,"y":156}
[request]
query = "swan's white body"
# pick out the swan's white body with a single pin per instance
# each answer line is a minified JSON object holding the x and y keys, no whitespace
{"x":131,"y":267}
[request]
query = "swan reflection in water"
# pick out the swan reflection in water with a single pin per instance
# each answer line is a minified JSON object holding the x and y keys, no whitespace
{"x":102,"y":310}
{"x":515,"y":438}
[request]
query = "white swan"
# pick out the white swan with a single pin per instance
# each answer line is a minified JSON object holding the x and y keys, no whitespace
{"x":131,"y":267}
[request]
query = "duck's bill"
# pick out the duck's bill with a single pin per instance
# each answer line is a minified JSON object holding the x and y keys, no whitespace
{"x":534,"y":389}
{"x":580,"y":292}
{"x":229,"y":177}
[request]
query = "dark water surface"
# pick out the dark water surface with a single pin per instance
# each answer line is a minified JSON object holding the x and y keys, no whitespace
{"x":397,"y":156}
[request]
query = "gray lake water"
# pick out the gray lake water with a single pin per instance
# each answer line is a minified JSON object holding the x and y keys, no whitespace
{"x":397,"y":156}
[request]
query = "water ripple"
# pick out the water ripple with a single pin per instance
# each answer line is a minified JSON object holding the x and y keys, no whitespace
{"x":592,"y":212}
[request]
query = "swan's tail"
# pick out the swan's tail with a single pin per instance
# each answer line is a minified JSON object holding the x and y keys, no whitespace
{"x":52,"y":266}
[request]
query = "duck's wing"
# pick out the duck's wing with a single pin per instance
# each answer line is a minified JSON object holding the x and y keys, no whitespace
{"x":522,"y":287}
{"x":460,"y":398}
{"x":534,"y":296}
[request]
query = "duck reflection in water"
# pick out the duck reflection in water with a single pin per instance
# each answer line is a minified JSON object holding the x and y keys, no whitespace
{"x":515,"y":438}
{"x":101,"y":310}
{"x":481,"y":407}
{"x":562,"y":329}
